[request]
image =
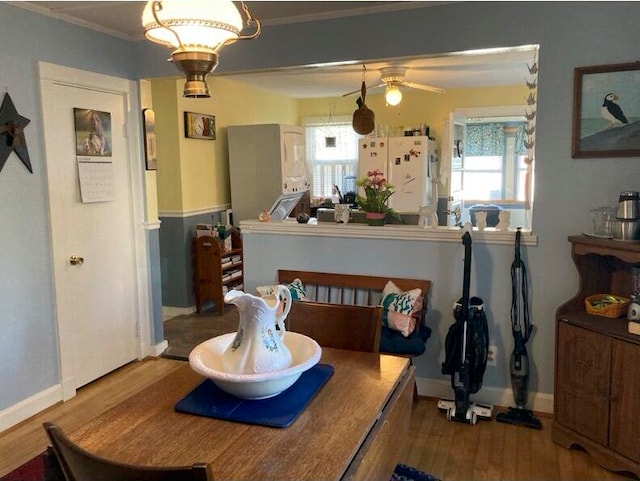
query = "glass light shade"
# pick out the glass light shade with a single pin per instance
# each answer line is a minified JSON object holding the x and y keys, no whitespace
{"x":202,"y":25}
{"x":392,"y":95}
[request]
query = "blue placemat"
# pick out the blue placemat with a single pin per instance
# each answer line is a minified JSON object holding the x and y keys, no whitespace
{"x":280,"y":411}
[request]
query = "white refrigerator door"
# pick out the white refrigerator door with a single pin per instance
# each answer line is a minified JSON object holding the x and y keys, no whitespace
{"x":295,"y":177}
{"x":409,"y":172}
{"x":372,"y":155}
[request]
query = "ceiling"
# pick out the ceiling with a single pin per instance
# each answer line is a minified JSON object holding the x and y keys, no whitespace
{"x":492,"y":68}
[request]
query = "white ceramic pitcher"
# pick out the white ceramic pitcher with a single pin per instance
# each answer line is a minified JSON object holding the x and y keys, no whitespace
{"x":258,"y":347}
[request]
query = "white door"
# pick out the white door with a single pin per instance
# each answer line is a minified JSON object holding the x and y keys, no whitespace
{"x":457,"y":126}
{"x":96,"y":295}
{"x":409,"y":173}
{"x":372,"y":155}
{"x":295,"y":177}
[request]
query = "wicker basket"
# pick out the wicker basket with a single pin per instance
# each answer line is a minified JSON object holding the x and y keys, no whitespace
{"x":597,"y":305}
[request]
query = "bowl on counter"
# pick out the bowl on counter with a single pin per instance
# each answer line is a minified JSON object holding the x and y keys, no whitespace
{"x":625,"y":229}
{"x":206,"y":359}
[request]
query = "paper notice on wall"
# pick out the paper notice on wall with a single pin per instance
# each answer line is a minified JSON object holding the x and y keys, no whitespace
{"x":96,"y":177}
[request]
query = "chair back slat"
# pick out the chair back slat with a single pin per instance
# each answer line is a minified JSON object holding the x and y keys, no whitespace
{"x":339,"y":326}
{"x":80,"y":465}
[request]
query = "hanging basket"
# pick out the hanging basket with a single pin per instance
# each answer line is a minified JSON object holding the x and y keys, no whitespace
{"x":375,"y":218}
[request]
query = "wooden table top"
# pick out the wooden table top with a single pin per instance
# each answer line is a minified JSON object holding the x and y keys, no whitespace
{"x":320,"y":444}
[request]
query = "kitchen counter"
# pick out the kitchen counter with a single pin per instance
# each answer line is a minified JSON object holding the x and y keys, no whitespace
{"x":290,"y":227}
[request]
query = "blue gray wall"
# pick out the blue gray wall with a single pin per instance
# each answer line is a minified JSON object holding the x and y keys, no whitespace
{"x":571,"y":34}
{"x":176,"y":248}
{"x":28,"y":344}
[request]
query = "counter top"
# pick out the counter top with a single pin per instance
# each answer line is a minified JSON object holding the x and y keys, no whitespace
{"x":389,"y":231}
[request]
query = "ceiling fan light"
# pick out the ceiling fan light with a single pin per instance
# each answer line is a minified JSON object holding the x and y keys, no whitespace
{"x":393,"y":95}
{"x":197,"y":30}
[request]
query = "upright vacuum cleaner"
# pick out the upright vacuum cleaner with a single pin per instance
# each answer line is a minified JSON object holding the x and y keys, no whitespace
{"x":521,"y":329}
{"x":467,"y":347}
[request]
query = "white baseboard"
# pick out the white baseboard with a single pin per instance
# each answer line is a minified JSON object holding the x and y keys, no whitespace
{"x":498,"y":397}
{"x":28,"y":407}
{"x":169,"y":312}
{"x":155,"y":350}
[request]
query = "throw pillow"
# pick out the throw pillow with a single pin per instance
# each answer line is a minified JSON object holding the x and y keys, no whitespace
{"x":398,"y":308}
{"x":297,"y":291}
{"x":296,"y":288}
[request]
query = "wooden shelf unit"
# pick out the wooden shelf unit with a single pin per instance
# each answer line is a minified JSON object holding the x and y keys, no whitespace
{"x":215,"y":269}
{"x":597,"y":380}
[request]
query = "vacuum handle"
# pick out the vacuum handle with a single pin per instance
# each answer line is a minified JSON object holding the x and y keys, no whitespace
{"x":466,"y":282}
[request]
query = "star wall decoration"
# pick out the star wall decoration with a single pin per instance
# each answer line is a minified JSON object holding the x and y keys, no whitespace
{"x":12,"y":138}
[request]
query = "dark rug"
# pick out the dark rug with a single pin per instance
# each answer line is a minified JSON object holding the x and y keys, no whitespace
{"x":183,"y":333}
{"x":44,"y":467}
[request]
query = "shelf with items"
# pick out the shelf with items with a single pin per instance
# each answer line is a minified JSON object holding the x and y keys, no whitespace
{"x":597,"y":383}
{"x":217,"y":269}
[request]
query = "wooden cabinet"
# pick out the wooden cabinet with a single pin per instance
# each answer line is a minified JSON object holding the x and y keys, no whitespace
{"x":597,"y":375}
{"x":216,"y":270}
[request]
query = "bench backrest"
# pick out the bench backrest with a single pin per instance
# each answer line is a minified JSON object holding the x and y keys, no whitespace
{"x":340,"y":326}
{"x":353,"y":289}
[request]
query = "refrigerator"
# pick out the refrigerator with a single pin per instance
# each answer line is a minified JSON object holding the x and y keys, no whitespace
{"x":265,"y":161}
{"x":408,"y":163}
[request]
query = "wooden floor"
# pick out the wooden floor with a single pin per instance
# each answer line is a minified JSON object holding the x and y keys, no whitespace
{"x":448,"y":450}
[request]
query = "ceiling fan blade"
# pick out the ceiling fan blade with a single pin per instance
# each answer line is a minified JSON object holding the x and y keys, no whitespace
{"x":368,"y":88}
{"x":428,"y":88}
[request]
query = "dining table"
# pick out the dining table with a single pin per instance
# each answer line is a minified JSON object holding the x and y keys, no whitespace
{"x":352,"y":428}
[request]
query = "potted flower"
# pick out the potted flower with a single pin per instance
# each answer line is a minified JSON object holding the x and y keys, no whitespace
{"x":377,"y":192}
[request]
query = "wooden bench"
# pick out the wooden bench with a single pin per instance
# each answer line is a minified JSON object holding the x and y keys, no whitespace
{"x":355,"y":289}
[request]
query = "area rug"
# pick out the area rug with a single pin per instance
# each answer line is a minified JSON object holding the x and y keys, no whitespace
{"x":43,"y":467}
{"x":40,"y":468}
{"x":183,"y":333}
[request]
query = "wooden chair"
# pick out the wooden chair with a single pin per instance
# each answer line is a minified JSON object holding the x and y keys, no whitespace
{"x":339,"y":326}
{"x":80,"y":465}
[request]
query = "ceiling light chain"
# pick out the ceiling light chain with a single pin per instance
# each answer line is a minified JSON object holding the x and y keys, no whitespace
{"x":251,"y":22}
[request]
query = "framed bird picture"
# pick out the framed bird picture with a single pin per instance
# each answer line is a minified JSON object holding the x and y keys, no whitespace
{"x":606,"y":111}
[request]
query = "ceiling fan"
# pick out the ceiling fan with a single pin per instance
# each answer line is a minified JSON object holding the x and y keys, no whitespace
{"x":393,"y":78}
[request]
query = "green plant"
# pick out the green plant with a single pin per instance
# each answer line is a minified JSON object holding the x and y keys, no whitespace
{"x":377,"y":191}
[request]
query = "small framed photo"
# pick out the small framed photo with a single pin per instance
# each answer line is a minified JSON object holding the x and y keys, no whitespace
{"x":150,"y":152}
{"x":199,"y":126}
{"x":606,"y":111}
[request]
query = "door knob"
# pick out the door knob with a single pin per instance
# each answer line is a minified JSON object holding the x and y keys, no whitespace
{"x":76,"y":260}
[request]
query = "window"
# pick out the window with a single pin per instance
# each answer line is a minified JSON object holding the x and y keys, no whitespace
{"x":490,"y":161}
{"x":332,"y":155}
{"x":493,"y":166}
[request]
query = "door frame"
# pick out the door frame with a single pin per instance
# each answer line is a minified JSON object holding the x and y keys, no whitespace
{"x":56,"y":74}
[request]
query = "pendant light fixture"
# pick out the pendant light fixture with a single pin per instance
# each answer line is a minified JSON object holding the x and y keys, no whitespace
{"x":197,"y":30}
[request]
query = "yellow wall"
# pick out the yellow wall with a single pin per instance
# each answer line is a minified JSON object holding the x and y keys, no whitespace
{"x":193,"y":174}
{"x":168,"y":175}
{"x":418,"y":107}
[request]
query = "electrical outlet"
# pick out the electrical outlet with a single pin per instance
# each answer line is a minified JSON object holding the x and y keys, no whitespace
{"x":492,"y":356}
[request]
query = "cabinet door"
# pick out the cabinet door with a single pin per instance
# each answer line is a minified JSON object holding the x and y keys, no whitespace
{"x":625,"y":399}
{"x":582,"y":381}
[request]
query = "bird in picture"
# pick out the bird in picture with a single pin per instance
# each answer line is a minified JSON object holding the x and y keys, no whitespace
{"x":612,"y":112}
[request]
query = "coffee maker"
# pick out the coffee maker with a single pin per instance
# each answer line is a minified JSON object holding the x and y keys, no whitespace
{"x":626,"y":225}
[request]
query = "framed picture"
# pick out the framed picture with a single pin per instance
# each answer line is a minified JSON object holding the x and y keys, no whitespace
{"x":606,"y":111}
{"x":284,"y":204}
{"x":149,"y":121}
{"x":199,"y":126}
